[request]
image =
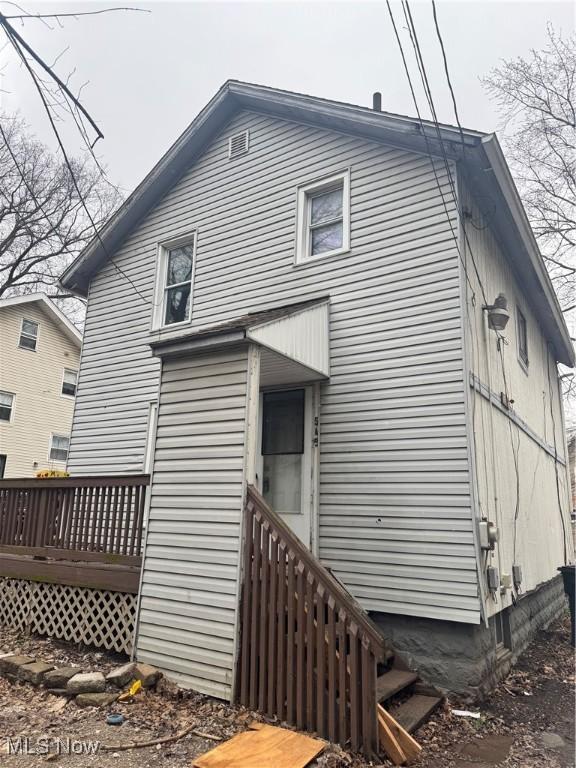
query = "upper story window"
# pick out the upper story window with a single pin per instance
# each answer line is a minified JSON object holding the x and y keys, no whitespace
{"x":522,"y":333}
{"x":174,"y":292}
{"x":323,"y":218}
{"x":28,"y":334}
{"x":69,"y":382}
{"x":59,"y":445}
{"x":6,"y":406}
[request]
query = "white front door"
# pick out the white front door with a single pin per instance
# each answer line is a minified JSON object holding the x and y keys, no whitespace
{"x":284,"y":470}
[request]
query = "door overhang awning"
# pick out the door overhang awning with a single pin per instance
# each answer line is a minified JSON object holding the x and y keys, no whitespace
{"x":295,"y":332}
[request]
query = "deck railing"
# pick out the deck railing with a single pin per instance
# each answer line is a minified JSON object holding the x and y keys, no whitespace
{"x":308,"y":651}
{"x":88,"y":518}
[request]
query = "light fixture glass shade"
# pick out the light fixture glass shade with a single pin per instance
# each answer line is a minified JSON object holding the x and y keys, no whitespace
{"x":498,"y":314}
{"x":498,"y":318}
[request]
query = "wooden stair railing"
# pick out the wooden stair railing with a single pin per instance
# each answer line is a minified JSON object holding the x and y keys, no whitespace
{"x":309,"y":653}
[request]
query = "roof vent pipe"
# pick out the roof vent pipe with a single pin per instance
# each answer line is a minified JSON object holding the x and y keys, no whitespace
{"x":377,"y":102}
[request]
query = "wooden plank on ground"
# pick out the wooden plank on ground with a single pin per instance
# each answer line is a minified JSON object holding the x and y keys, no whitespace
{"x":265,"y":747}
{"x":407,"y":744}
{"x":388,"y":742}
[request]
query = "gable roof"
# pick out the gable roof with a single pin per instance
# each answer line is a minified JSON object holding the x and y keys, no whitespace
{"x":50,"y":308}
{"x":480,"y":153}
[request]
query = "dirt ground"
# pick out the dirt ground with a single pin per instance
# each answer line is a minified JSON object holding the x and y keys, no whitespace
{"x":528,"y":722}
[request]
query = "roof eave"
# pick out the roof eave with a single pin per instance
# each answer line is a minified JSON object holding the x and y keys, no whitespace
{"x":76,"y":278}
{"x":544,"y":295}
{"x":399,"y":131}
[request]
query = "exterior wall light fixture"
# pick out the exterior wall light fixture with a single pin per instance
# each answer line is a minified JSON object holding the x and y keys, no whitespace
{"x":498,"y":314}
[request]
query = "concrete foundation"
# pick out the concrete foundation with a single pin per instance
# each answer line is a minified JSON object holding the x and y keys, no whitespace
{"x":463,"y":658}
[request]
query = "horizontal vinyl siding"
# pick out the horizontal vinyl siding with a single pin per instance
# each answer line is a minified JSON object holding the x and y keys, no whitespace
{"x":35,"y":380}
{"x":395,"y":512}
{"x":189,"y":586}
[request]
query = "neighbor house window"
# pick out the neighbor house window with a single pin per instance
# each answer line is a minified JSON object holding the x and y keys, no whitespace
{"x":522,"y":331}
{"x":175,"y":291}
{"x":59,"y":445}
{"x":28,"y":334}
{"x":6,"y":406}
{"x":69,"y":382}
{"x":2,"y":465}
{"x":323,"y":218}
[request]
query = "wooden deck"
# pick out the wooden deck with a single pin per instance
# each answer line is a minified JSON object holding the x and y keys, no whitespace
{"x":80,"y":531}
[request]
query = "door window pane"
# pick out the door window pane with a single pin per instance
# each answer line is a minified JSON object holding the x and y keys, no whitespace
{"x":283,"y":449}
{"x":282,"y":486}
{"x":283,"y":422}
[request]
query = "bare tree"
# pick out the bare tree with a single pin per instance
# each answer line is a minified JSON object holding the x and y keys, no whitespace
{"x":536,"y":97}
{"x":43,"y":212}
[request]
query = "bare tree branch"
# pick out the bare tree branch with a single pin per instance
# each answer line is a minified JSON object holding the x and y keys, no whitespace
{"x":43,"y":223}
{"x":536,"y":97}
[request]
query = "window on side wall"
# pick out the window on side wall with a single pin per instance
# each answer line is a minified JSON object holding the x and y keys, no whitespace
{"x":59,"y":445}
{"x":69,"y":382}
{"x":522,"y":333}
{"x":323,"y":227}
{"x":28,"y":335}
{"x":174,"y":289}
{"x":6,"y":406}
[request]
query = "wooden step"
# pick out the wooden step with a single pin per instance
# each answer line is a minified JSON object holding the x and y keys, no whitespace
{"x":392,"y":682}
{"x":416,"y":710}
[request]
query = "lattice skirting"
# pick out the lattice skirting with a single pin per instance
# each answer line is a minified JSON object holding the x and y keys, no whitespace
{"x":76,"y":614}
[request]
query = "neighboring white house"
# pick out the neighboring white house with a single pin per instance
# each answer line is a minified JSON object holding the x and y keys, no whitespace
{"x":39,"y":361}
{"x":301,"y":297}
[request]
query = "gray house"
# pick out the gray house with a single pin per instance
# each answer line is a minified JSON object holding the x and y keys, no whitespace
{"x":300,"y":297}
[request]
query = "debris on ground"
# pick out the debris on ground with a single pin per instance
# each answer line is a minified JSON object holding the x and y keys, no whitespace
{"x":516,"y":730}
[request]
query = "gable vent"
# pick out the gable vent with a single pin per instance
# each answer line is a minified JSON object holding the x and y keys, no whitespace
{"x":239,"y":144}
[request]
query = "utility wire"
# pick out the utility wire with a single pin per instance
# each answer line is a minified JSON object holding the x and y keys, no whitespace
{"x":427,"y":142}
{"x":515,"y":450}
{"x":14,"y":36}
{"x":68,"y":164}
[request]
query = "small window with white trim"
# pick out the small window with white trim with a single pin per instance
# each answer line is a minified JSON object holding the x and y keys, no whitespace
{"x":323,"y":227}
{"x":69,"y":382}
{"x":6,"y":406}
{"x":59,"y":445}
{"x":28,"y":335}
{"x":522,"y":333}
{"x":175,"y":274}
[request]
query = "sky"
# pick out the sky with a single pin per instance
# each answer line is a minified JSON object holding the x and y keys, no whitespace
{"x":147,"y":75}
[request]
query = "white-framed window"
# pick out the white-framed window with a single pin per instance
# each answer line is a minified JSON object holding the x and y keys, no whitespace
{"x":59,"y":445}
{"x":522,"y":334}
{"x":323,"y":218}
{"x":175,"y":274}
{"x":69,"y":382}
{"x":6,"y":406}
{"x":28,"y":335}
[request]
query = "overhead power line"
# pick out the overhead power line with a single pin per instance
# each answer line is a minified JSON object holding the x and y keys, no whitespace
{"x":21,"y":47}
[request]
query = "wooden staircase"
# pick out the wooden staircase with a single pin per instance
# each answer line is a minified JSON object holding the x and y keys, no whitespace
{"x":310,"y":656}
{"x":402,"y":693}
